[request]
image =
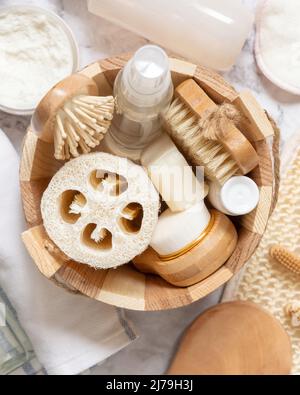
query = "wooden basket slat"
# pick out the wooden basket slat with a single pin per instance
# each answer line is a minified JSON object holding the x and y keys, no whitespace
{"x":247,"y":244}
{"x":256,"y":125}
{"x":83,"y":278}
{"x":263,"y":173}
{"x":32,"y":192}
{"x":213,"y":282}
{"x":214,"y":85}
{"x":34,"y":240}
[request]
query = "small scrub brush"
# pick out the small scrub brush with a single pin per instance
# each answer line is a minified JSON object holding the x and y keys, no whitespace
{"x":81,"y":125}
{"x":286,"y":258}
{"x":207,"y":135}
{"x":74,"y":116}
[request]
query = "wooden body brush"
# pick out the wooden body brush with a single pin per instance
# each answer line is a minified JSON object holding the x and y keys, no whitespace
{"x":73,"y":117}
{"x":237,"y":338}
{"x":207,"y":136}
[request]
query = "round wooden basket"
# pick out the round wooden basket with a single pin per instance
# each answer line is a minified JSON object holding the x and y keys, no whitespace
{"x":125,"y":286}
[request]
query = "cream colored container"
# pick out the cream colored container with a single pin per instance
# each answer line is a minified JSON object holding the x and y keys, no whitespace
{"x":238,"y":196}
{"x":176,"y":231}
{"x":208,"y":32}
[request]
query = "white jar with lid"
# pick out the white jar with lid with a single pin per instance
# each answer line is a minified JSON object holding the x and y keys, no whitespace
{"x":238,"y":196}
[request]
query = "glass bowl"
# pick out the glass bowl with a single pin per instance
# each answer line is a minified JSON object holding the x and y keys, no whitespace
{"x":73,"y":44}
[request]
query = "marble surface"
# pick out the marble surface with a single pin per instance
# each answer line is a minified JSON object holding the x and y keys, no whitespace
{"x":159,"y":331}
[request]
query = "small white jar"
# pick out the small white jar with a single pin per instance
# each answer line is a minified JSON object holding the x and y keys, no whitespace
{"x":238,"y":196}
{"x":175,"y":231}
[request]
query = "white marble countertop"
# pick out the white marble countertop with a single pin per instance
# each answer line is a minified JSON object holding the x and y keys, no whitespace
{"x":150,"y":354}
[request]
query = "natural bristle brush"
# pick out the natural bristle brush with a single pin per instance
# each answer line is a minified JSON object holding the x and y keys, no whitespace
{"x":74,"y":117}
{"x":81,"y":125}
{"x":207,"y":135}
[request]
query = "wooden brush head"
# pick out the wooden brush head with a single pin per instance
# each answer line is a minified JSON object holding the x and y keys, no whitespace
{"x":234,"y":338}
{"x":44,"y":117}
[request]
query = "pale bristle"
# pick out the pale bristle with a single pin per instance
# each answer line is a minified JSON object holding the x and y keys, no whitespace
{"x":183,"y":126}
{"x":99,"y":236}
{"x":77,"y":204}
{"x":81,"y":125}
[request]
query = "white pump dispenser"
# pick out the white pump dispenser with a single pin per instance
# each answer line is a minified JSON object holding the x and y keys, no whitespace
{"x":143,"y":91}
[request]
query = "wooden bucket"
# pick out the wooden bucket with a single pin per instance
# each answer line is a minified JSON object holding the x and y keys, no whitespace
{"x":125,"y":286}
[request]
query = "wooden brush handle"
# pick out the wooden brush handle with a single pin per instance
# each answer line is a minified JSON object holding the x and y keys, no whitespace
{"x":234,"y":141}
{"x":195,"y":98}
{"x":200,"y":262}
{"x":240,"y":149}
{"x":76,"y":84}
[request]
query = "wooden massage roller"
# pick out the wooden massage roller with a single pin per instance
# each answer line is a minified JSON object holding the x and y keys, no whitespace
{"x":74,"y":117}
{"x":206,"y":135}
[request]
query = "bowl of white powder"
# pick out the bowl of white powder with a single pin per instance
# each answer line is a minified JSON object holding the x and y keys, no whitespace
{"x":37,"y":50}
{"x":277,"y":46}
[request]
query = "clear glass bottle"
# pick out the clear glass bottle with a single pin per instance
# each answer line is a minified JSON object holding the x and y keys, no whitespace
{"x":143,"y":91}
{"x":15,"y":347}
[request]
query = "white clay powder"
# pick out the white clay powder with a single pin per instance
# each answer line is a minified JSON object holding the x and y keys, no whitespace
{"x":35,"y":53}
{"x":280,"y":40}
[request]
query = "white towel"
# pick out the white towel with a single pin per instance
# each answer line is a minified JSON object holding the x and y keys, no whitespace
{"x":69,"y":333}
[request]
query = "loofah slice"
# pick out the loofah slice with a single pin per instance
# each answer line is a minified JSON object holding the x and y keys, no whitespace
{"x":100,"y":210}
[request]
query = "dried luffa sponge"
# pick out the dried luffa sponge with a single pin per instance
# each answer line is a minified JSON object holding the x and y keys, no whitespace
{"x":286,"y":258}
{"x":100,"y":210}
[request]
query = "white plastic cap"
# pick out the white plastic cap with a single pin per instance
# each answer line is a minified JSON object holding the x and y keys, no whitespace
{"x":147,"y":75}
{"x":238,"y":196}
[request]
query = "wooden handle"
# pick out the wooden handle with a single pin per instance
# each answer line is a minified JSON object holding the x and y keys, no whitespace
{"x":200,"y":262}
{"x":76,"y":84}
{"x":240,"y":149}
{"x":194,"y":97}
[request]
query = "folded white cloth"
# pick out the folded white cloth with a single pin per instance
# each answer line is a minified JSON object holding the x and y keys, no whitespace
{"x":69,"y":333}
